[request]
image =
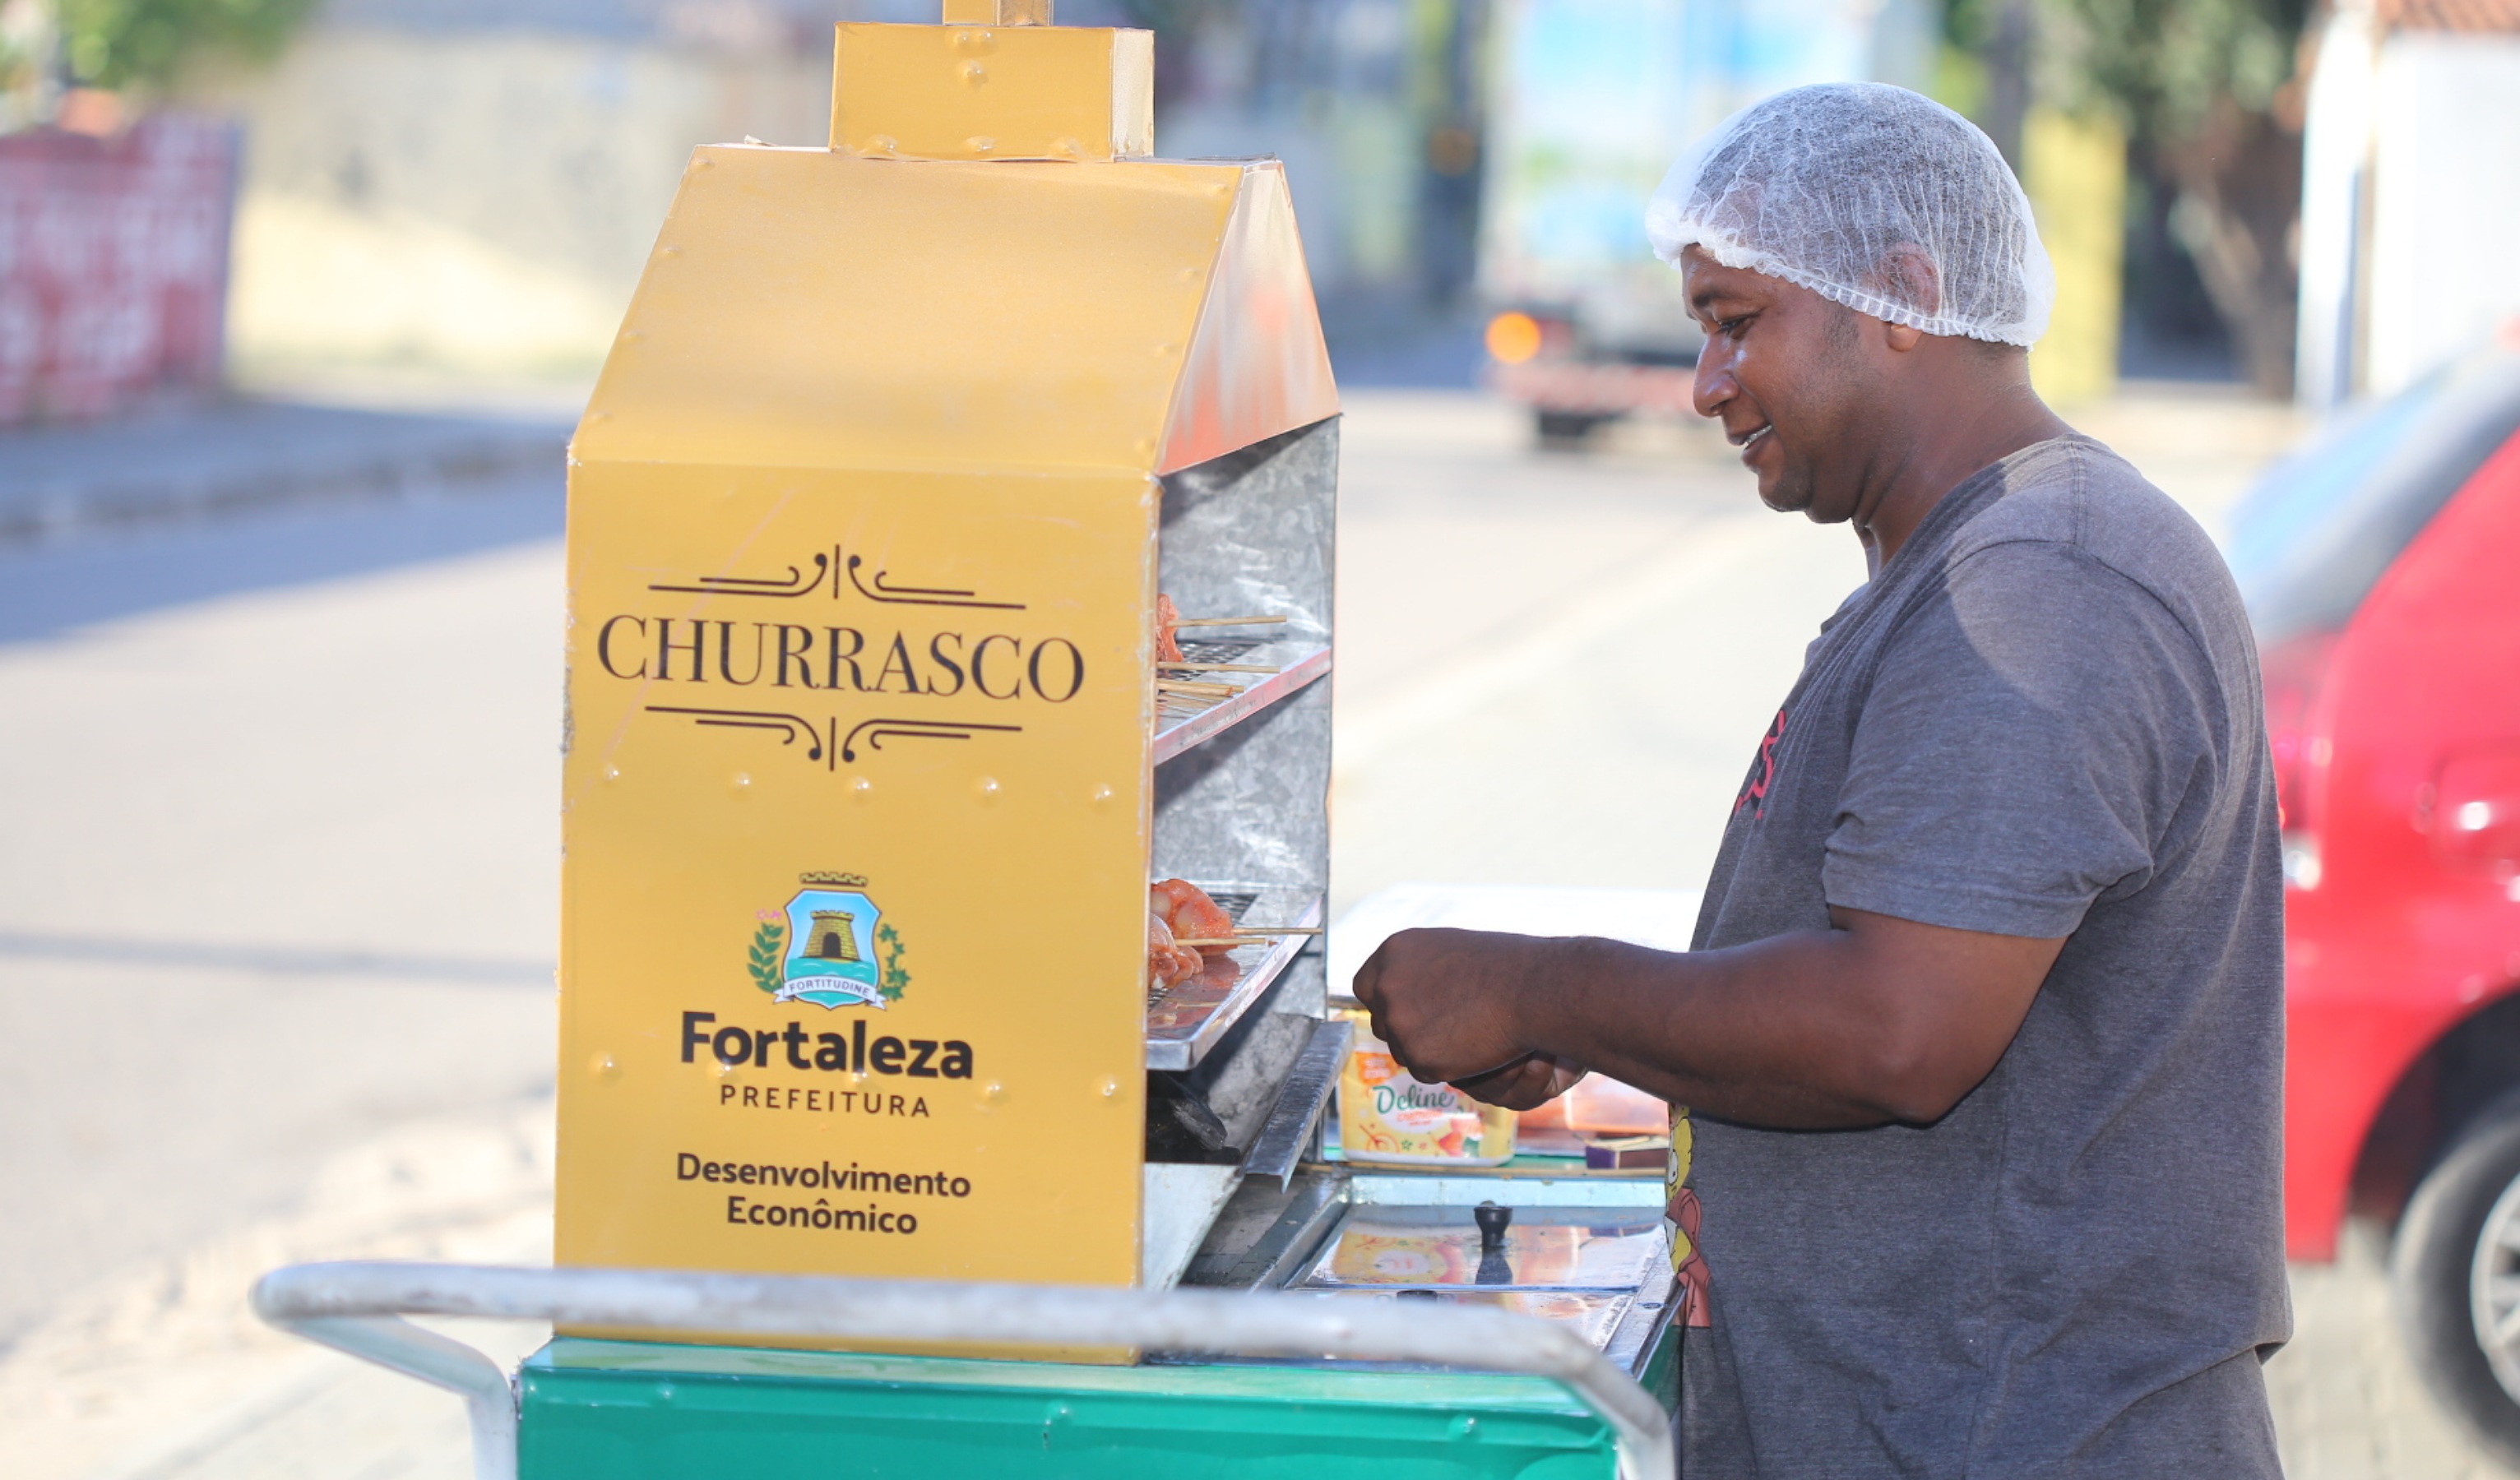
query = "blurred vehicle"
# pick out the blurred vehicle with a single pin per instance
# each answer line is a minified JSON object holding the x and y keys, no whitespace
{"x":1589,"y":103}
{"x":2382,"y":571}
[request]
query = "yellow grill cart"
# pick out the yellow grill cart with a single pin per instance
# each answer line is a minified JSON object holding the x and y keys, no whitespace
{"x":876,"y":740}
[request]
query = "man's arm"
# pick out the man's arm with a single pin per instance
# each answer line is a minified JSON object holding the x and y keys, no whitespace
{"x":1878,"y":1019}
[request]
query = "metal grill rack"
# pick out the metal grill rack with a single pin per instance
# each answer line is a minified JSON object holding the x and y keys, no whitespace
{"x":1184,"y":1021}
{"x":1242,"y":799}
{"x":1186,"y":720}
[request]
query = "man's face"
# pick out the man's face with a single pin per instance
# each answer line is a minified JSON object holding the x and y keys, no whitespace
{"x":1786,"y":372}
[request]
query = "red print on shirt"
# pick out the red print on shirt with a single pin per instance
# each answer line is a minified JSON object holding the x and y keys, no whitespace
{"x":1763,"y":775}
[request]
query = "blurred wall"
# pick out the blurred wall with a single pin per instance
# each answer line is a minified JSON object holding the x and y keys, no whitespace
{"x":477,"y":198}
{"x":2410,"y":211}
{"x":2445,"y":203}
{"x":475,"y":184}
{"x":2075,"y":172}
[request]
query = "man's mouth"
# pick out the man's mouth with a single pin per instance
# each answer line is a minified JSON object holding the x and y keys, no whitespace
{"x":1745,"y":441}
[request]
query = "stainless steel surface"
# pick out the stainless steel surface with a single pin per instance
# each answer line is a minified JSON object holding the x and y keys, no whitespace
{"x":1388,"y":1247}
{"x":1631,"y":1347}
{"x":1242,"y":789}
{"x":1266,"y":1234}
{"x":314,"y":1300}
{"x":1186,"y":1022}
{"x":1286,"y":1138}
{"x":1255,"y":531}
{"x":1593,"y":1316}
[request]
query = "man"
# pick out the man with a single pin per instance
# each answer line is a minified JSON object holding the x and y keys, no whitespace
{"x":1981,"y":1036}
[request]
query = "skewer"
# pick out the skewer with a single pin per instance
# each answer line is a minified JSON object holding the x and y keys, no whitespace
{"x":1230,"y":621}
{"x":1257,"y":935}
{"x":1204,"y":690}
{"x":1216,"y":667}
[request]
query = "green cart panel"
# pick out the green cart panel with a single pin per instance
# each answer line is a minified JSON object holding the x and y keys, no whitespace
{"x":635,"y":1410}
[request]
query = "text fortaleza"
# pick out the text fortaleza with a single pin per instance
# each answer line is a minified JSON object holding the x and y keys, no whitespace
{"x":915,"y":1058}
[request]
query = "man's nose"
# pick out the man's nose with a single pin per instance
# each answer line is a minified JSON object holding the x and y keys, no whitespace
{"x":1713,"y":385}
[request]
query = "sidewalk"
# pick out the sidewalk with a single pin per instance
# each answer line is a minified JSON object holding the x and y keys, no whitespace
{"x":252,"y":455}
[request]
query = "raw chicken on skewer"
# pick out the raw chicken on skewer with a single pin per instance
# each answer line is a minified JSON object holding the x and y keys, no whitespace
{"x":1168,"y":964}
{"x":1185,"y":908}
{"x":1199,"y":922}
{"x":1167,"y":623}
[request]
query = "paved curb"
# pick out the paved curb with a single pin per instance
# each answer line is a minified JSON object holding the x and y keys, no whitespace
{"x":63,"y":482}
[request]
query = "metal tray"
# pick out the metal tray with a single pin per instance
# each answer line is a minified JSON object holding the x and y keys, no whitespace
{"x":1595,"y":1315}
{"x":1298,"y":661}
{"x":1183,"y":1022}
{"x":1438,"y":1249}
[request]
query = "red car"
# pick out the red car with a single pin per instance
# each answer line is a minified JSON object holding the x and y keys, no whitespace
{"x":2382,"y":571}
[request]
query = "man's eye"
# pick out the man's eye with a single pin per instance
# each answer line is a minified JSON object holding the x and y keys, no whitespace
{"x":1731,"y":328}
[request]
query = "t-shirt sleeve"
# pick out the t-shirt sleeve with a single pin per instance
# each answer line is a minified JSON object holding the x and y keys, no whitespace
{"x":2024,"y":747}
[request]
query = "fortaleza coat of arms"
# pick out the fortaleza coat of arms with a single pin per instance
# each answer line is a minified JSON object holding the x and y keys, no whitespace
{"x":831,"y":946}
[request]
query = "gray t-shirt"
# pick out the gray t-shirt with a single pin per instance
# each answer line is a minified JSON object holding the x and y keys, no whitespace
{"x":2042,"y":718}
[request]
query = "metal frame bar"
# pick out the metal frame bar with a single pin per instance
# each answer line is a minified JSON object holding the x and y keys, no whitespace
{"x":357,"y":1308}
{"x":1286,"y":1137}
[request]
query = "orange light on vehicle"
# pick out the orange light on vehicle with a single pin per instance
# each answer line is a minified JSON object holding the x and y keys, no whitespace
{"x":1513,"y":337}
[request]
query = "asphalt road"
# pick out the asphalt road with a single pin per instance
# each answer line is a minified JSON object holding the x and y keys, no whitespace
{"x":277,"y":872}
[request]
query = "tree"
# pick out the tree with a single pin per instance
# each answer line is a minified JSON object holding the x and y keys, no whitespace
{"x":2204,"y":89}
{"x":142,"y":45}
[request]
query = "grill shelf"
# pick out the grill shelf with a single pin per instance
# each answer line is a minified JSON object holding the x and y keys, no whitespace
{"x":1183,"y":1022}
{"x":1182,"y":722}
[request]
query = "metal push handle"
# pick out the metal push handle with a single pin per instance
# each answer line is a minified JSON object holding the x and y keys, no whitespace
{"x":356,"y":1308}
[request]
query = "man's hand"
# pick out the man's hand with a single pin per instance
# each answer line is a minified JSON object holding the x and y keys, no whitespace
{"x":1875,"y":1020}
{"x":1525,"y":1086}
{"x":1457,"y":1013}
{"x":1457,"y":1004}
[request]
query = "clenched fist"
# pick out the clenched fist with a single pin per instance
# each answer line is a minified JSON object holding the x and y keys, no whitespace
{"x":1465,"y":1007}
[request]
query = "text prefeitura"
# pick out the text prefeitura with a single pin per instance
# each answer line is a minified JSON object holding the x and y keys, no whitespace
{"x":915,"y":1058}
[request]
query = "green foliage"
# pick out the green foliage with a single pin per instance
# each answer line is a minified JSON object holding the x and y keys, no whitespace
{"x":145,"y":43}
{"x":764,"y":960}
{"x":2163,"y":65}
{"x":1174,"y":19}
{"x":889,"y":945}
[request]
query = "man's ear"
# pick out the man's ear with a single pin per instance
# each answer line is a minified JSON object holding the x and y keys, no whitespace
{"x":1909,"y":274}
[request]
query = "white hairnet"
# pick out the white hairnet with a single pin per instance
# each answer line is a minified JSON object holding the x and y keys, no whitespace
{"x":1822,"y":185}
